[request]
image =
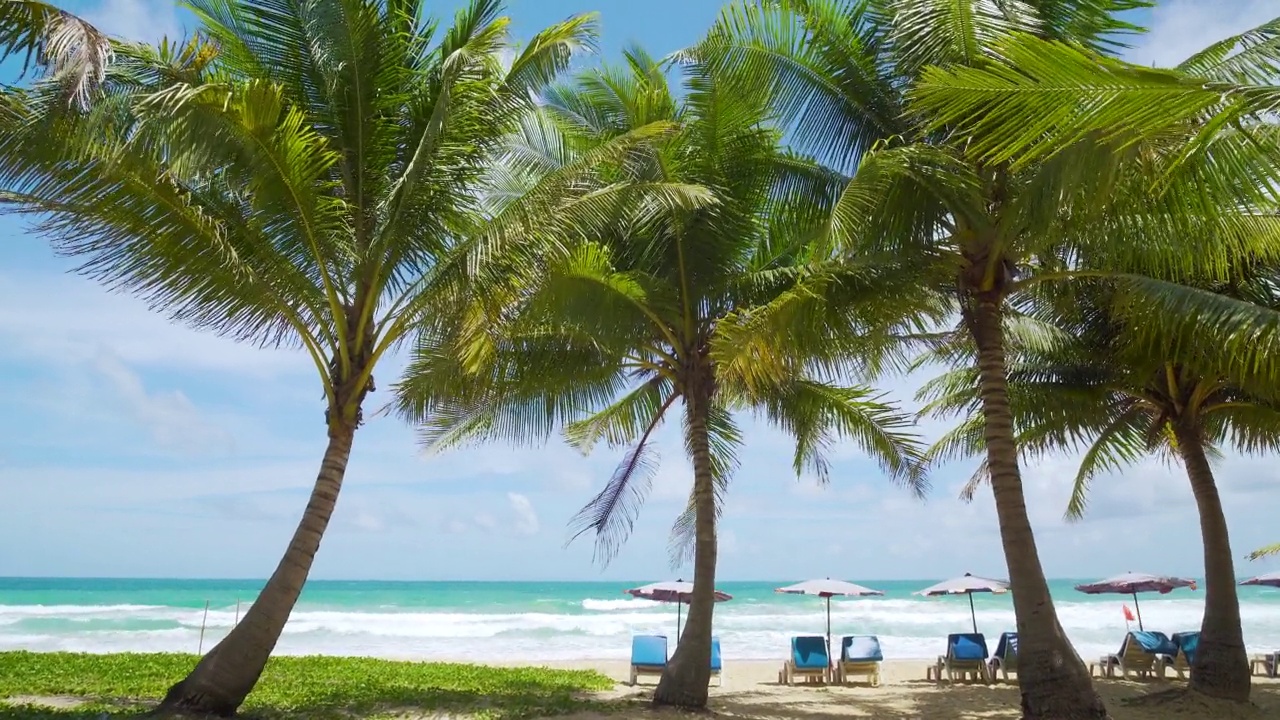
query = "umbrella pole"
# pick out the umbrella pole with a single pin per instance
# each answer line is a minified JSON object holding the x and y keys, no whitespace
{"x":679,"y":609}
{"x":829,"y":658}
{"x":973,"y":615}
{"x":1138,"y":608}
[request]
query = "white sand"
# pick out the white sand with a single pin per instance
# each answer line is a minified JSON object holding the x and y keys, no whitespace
{"x":751,"y":692}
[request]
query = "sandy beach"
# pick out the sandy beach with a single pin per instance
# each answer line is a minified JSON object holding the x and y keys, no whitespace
{"x":751,"y":692}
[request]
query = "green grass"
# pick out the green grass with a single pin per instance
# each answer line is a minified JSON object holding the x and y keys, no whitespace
{"x":300,"y":687}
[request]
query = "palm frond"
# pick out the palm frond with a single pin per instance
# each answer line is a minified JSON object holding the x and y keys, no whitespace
{"x":1044,"y":96}
{"x":72,"y":51}
{"x":1122,"y":443}
{"x":1265,"y":552}
{"x":612,"y":513}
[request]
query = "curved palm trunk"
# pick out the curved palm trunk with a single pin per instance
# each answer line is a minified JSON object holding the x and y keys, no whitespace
{"x":686,"y":677}
{"x":1221,"y":667}
{"x":223,"y":677}
{"x":1054,"y":682}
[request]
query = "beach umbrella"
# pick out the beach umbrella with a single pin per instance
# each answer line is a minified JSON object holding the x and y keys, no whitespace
{"x":678,"y":592}
{"x":967,"y":585}
{"x":1271,"y":579}
{"x":1134,"y":583}
{"x":828,"y":589}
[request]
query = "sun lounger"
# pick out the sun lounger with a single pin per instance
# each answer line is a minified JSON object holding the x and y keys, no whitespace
{"x":966,"y":658}
{"x":1139,"y":654}
{"x":808,"y":660}
{"x":1267,"y":665}
{"x":648,"y":655}
{"x":859,"y":655}
{"x":1005,"y":658}
{"x":716,"y":664}
{"x":1186,"y":643}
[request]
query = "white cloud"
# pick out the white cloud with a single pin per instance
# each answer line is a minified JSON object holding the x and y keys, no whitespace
{"x":485,"y":521}
{"x":526,"y":518}
{"x":728,"y":544}
{"x":170,"y":417}
{"x":75,"y":318}
{"x":1180,"y":28}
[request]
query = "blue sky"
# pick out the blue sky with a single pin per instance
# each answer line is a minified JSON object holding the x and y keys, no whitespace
{"x":133,"y":447}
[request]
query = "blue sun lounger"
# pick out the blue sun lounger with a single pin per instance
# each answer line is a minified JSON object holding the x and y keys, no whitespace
{"x":859,"y":655}
{"x":1185,"y":644}
{"x":1139,"y":654}
{"x":648,"y":655}
{"x":717,"y":666}
{"x":808,"y":660}
{"x":966,"y":658}
{"x":1005,"y":659}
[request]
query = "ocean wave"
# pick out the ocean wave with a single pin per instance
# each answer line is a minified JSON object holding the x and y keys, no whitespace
{"x":620,"y":604}
{"x":593,"y":628}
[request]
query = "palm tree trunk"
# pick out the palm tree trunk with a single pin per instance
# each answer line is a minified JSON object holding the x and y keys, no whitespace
{"x":223,"y":677}
{"x":1221,"y":667}
{"x":1054,"y":682}
{"x":686,"y":677}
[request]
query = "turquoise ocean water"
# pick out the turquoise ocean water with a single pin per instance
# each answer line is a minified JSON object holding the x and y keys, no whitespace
{"x":531,"y":621}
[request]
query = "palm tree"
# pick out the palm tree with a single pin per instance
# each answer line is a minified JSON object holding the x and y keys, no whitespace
{"x":845,"y":78}
{"x":1081,"y":377}
{"x":66,"y":47}
{"x":721,"y":305}
{"x":1209,"y":125}
{"x":291,"y":176}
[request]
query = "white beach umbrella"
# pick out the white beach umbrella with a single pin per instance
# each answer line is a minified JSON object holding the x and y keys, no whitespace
{"x":967,"y":585}
{"x":828,"y":588}
{"x":678,"y":592}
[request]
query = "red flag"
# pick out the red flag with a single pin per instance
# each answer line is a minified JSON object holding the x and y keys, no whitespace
{"x":1128,"y":614}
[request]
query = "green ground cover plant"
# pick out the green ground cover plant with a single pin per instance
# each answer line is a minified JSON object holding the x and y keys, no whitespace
{"x":123,"y":684}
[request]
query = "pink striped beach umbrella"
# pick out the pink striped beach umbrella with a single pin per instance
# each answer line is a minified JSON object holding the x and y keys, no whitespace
{"x":678,"y":592}
{"x":1271,"y":579}
{"x":1134,"y":583}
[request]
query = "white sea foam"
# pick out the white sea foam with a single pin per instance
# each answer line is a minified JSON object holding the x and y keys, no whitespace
{"x":601,"y":629}
{"x":620,"y":604}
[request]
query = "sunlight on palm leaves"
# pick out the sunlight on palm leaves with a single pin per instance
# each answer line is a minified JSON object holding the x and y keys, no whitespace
{"x":644,"y":305}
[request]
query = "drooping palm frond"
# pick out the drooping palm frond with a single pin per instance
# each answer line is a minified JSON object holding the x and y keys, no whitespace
{"x":611,"y":514}
{"x":72,"y":52}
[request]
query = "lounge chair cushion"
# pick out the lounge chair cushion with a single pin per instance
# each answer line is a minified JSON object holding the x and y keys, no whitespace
{"x":715,"y":654}
{"x":967,"y":646}
{"x":1007,"y":647}
{"x":1187,"y":642}
{"x":809,"y":652}
{"x":649,"y":650}
{"x":1155,"y":643}
{"x":861,"y":648}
